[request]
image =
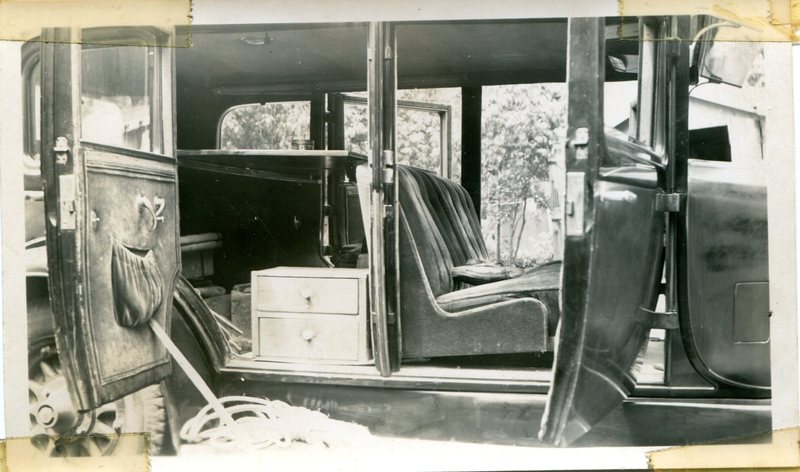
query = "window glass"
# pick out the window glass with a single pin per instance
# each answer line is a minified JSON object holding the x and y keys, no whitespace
{"x":628,"y":102}
{"x":280,"y":125}
{"x":33,"y":111}
{"x":419,"y":142}
{"x":419,"y":131}
{"x":34,"y":206}
{"x":620,"y":100}
{"x":421,"y":116}
{"x":117,"y":106}
{"x":356,"y":125}
{"x":522,"y":169}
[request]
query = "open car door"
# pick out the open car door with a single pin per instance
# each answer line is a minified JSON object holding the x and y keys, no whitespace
{"x":613,"y":249}
{"x":382,"y":234}
{"x":111,"y":205}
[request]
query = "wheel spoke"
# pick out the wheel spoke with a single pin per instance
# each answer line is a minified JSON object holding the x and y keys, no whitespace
{"x":102,"y":428}
{"x":36,"y":388}
{"x":50,"y":448}
{"x":107,"y":408}
{"x":92,"y":447}
{"x":37,"y":429}
{"x":48,"y":370}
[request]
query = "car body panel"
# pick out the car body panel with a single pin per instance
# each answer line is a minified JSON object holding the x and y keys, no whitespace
{"x":510,"y":418}
{"x":727,"y":299}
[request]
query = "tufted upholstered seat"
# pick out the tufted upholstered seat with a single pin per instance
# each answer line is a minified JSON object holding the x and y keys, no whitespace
{"x":441,"y":246}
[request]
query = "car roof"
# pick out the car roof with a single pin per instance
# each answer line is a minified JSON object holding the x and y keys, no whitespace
{"x":285,"y":59}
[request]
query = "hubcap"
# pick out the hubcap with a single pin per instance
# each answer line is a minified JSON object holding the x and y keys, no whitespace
{"x":46,"y":416}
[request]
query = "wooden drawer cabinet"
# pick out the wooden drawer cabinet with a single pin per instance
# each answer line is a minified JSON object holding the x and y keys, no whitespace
{"x":305,"y":314}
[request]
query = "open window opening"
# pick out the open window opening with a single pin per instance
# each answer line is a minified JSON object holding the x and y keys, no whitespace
{"x":523,"y":135}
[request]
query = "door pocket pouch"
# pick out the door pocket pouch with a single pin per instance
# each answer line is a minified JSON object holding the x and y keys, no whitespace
{"x":136,"y":283}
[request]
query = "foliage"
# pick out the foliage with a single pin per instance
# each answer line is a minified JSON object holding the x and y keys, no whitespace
{"x":418,"y":132}
{"x":265,"y":126}
{"x":523,"y":129}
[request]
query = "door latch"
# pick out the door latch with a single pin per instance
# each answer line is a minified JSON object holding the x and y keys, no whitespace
{"x":66,"y":202}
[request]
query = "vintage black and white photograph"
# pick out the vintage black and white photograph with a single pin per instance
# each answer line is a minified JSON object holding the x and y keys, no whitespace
{"x":243,"y":234}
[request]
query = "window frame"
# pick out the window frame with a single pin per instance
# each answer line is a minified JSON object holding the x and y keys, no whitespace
{"x":445,"y":113}
{"x":30,"y":62}
{"x":153,"y":40}
{"x":649,"y":135}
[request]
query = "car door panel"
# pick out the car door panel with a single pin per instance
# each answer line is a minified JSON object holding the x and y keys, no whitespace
{"x":115,"y":184}
{"x":612,"y":254}
{"x":615,"y":316}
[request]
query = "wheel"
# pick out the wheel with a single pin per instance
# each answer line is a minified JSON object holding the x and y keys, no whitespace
{"x":59,"y":430}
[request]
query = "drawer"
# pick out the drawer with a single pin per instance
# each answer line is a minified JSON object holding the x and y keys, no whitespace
{"x":331,"y":337}
{"x":308,"y":295}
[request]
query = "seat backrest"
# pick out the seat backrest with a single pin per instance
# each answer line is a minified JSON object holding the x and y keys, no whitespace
{"x":425,"y":232}
{"x":441,"y":218}
{"x":452,"y":209}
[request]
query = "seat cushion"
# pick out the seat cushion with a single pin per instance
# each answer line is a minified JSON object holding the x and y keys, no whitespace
{"x":542,"y":282}
{"x":479,"y":273}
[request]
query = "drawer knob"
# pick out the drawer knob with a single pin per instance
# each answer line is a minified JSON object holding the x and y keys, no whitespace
{"x":308,"y":334}
{"x":306,"y":294}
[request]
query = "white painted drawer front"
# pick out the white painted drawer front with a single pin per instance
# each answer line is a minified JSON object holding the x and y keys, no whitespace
{"x":308,"y":295}
{"x":331,"y":337}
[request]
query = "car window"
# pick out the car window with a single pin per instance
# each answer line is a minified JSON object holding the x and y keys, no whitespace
{"x":278,"y":125}
{"x":426,"y":119}
{"x":118,"y":102}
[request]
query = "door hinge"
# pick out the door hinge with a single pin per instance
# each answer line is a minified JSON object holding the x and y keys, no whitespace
{"x":61,"y":150}
{"x":661,"y":319}
{"x":388,"y":176}
{"x":580,"y":141}
{"x":669,"y":202}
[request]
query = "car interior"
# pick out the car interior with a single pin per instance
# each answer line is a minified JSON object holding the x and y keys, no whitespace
{"x":301,"y":202}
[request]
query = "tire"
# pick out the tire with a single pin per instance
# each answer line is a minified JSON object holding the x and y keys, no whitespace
{"x":100,"y":431}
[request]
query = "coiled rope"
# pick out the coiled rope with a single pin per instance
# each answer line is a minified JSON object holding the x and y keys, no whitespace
{"x":250,"y":423}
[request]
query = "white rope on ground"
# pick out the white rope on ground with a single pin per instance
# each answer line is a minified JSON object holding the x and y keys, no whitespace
{"x":263,"y":423}
{"x":249,"y":423}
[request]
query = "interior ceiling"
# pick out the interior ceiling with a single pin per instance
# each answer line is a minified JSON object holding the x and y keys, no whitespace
{"x":334,"y":57}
